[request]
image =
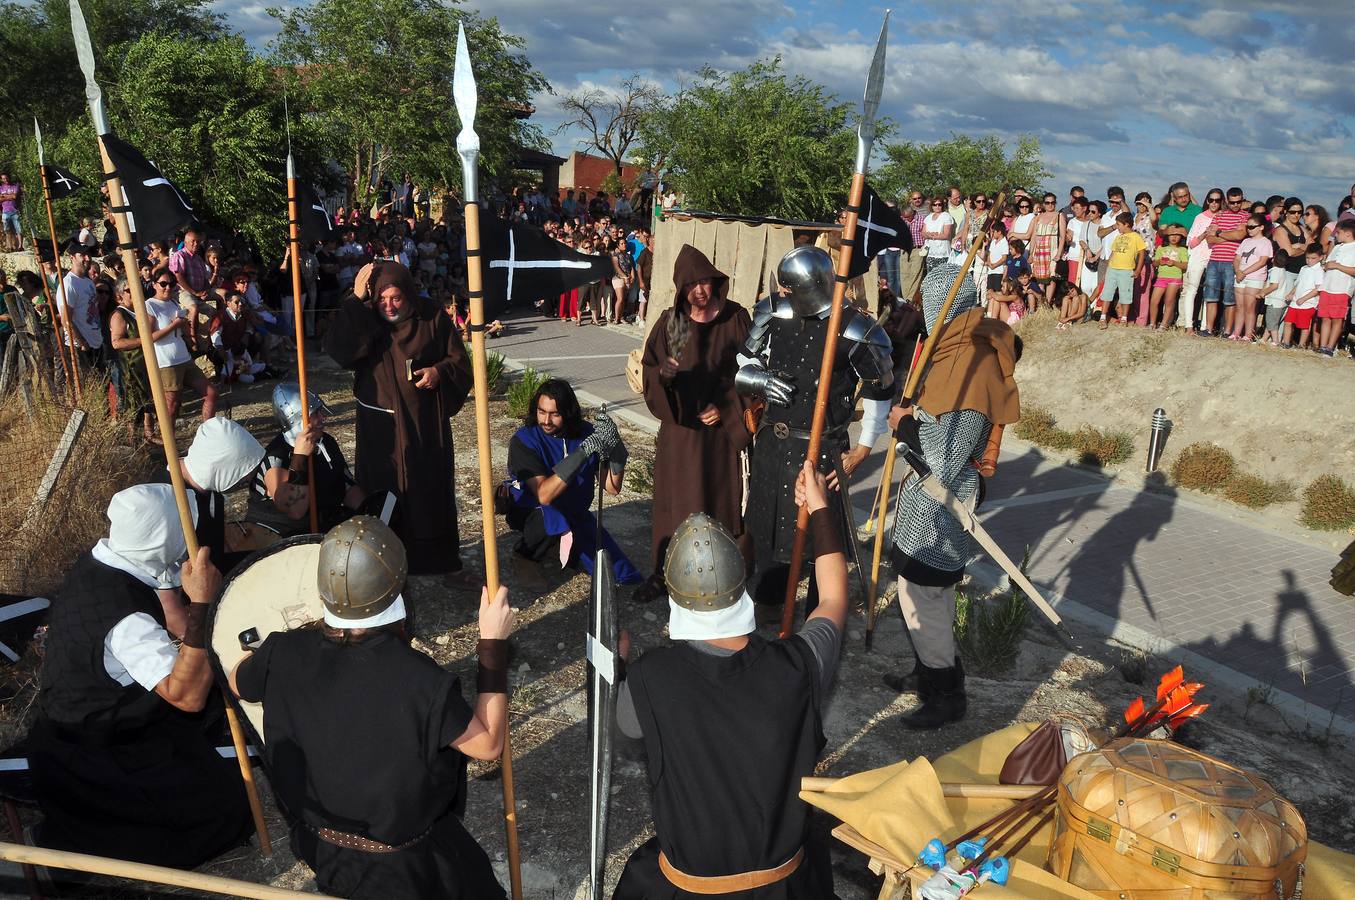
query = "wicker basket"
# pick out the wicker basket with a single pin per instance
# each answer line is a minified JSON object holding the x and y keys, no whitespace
{"x":1152,"y":820}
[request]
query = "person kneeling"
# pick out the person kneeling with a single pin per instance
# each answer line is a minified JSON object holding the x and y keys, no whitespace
{"x":366,"y":738}
{"x":731,"y":722}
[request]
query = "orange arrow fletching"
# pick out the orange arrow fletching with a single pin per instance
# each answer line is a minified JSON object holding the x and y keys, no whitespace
{"x":1134,"y":712}
{"x":1170,"y":681}
{"x":1186,"y":714}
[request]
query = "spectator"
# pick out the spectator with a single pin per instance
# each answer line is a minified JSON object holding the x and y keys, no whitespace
{"x":1169,"y":261}
{"x":1125,"y":263}
{"x":1182,"y":209}
{"x":1046,"y":248}
{"x":1223,"y":234}
{"x":1073,"y":305}
{"x":1077,"y":192}
{"x":913,"y":263}
{"x":11,"y":195}
{"x":1106,"y":229}
{"x":1145,"y":225}
{"x":80,"y":304}
{"x":1279,"y":288}
{"x":1338,"y":282}
{"x":1023,"y":226}
{"x":1200,"y":253}
{"x":1075,"y":250}
{"x":889,"y":262}
{"x":1317,"y":227}
{"x":1249,"y":265}
{"x":956,"y":208}
{"x":1307,"y":294}
{"x":190,"y":272}
{"x":169,"y":320}
{"x":1287,"y":233}
{"x":937,"y":232}
{"x":996,"y":258}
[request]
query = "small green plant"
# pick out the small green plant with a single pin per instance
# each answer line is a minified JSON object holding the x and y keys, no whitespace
{"x":1097,"y":447}
{"x":495,"y":366}
{"x":1036,"y":425}
{"x":1203,"y":467}
{"x":1328,"y":504}
{"x":989,"y":630}
{"x":640,"y":473}
{"x":1134,"y":666}
{"x":520,"y":391}
{"x":1249,"y":490}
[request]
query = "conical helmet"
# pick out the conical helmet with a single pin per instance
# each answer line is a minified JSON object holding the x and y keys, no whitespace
{"x":287,"y":408}
{"x":362,"y":568}
{"x":705,"y":570}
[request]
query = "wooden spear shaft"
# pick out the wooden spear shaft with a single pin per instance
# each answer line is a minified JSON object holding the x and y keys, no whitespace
{"x":294,"y":246}
{"x":844,"y":262}
{"x":74,"y":370}
{"x":475,"y":288}
{"x":144,"y":330}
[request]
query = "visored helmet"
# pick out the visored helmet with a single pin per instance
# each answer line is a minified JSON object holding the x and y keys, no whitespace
{"x":806,"y":275}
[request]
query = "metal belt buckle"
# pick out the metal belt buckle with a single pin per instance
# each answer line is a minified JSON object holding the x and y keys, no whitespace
{"x":781,"y":430}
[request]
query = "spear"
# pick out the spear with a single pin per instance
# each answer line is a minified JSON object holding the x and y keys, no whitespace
{"x":865,"y":137}
{"x":118,"y":201}
{"x":294,"y":249}
{"x":65,"y":310}
{"x":468,"y":147}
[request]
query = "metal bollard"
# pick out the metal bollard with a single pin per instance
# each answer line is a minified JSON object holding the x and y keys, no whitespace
{"x":1155,"y":439}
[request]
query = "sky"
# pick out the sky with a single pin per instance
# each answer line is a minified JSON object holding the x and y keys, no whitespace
{"x":1139,"y":94}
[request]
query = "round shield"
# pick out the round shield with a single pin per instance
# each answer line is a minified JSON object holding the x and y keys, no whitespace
{"x":273,"y":590}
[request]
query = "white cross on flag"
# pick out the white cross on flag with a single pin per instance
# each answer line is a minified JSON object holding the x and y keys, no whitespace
{"x":878,"y":227}
{"x":160,"y":207}
{"x":522,"y":264}
{"x":60,"y":181}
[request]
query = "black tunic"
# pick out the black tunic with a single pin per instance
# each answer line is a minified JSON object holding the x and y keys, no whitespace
{"x":332,"y":481}
{"x":728,"y":739}
{"x":356,"y":738}
{"x":118,"y":771}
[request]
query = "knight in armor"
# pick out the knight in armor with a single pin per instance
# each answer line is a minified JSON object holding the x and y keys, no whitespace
{"x":366,"y":738}
{"x":553,"y":465}
{"x":120,"y":760}
{"x":732,"y":721}
{"x":969,"y":388}
{"x":279,"y":495}
{"x":780,"y":365}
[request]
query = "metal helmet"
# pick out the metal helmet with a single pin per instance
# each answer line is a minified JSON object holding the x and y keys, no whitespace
{"x":362,"y":568}
{"x":806,"y":276}
{"x":705,"y":570}
{"x":287,"y":408}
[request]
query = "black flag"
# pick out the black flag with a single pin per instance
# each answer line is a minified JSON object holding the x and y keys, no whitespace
{"x":522,"y":264}
{"x":878,"y":227}
{"x":160,"y":208}
{"x":60,"y":181}
{"x":316,"y":225}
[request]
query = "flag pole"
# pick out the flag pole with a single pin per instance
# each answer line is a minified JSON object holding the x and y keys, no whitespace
{"x":144,"y":329}
{"x":865,"y":138}
{"x":73,"y":373}
{"x":53,"y":311}
{"x":294,"y":248}
{"x":468,"y":146}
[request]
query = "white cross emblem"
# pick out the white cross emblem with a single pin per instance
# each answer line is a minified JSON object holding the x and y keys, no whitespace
{"x":322,"y":211}
{"x":157,"y":182}
{"x":64,"y":181}
{"x":870,"y":226}
{"x":512,"y":263}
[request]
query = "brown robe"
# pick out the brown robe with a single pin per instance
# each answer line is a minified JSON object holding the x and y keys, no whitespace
{"x":696,"y":466}
{"x":404,"y":437}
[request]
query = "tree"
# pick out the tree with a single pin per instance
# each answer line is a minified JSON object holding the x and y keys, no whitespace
{"x":610,"y":122}
{"x":974,"y":164}
{"x":754,"y":142}
{"x":375,"y":78}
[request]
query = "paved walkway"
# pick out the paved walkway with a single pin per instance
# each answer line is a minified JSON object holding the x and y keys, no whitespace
{"x":1171,"y":574}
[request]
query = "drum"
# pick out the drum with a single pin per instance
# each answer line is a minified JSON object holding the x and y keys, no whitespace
{"x":275,"y":589}
{"x":246,"y":537}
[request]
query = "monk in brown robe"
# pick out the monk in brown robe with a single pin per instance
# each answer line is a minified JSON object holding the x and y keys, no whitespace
{"x":689,"y":365}
{"x":411,"y":374}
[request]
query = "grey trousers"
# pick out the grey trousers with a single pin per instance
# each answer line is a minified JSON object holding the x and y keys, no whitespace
{"x":929,"y":616}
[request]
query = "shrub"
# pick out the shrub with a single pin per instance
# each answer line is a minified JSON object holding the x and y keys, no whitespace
{"x":520,"y":392}
{"x":1203,"y":467}
{"x":1328,"y":504}
{"x":1035,"y":425}
{"x":495,"y":366}
{"x":989,"y":630}
{"x":1249,"y":490}
{"x":1097,"y":447}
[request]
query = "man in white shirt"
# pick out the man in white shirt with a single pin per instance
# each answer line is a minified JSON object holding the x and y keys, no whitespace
{"x":352,"y":256}
{"x":623,"y":209}
{"x":81,"y":303}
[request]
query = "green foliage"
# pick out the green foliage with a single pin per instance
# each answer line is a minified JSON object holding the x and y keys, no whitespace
{"x":495,"y":366}
{"x":520,"y":391}
{"x":1094,"y":446}
{"x":989,"y":630}
{"x":1250,"y":490}
{"x":981,"y":164}
{"x":1203,"y":467}
{"x":754,"y":142}
{"x":1328,"y":504}
{"x":375,"y":77}
{"x":1036,"y":425}
{"x":614,"y":185}
{"x":640,"y":473}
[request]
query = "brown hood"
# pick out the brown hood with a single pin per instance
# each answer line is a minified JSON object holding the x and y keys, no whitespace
{"x":692,"y":265}
{"x":973,"y":367}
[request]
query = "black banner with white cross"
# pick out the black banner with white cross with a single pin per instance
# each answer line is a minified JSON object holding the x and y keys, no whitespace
{"x":60,"y":181}
{"x":159,"y":206}
{"x":316,"y":225}
{"x":878,"y":228}
{"x":522,"y":264}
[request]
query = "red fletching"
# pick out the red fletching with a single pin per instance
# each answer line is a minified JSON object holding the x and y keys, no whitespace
{"x":1187,"y":714}
{"x":1192,"y":687}
{"x":1170,"y":681}
{"x":1134,"y":712}
{"x":1176,"y":701}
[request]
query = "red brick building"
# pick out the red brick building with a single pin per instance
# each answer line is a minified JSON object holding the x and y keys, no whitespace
{"x":586,"y":171}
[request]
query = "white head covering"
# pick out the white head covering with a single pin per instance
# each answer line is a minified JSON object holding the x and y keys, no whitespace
{"x":393,"y":613}
{"x":145,"y":539}
{"x":222,"y":453}
{"x":734,"y":620}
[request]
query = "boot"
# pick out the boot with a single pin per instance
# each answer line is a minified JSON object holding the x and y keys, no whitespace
{"x":904,"y":682}
{"x":943,"y":698}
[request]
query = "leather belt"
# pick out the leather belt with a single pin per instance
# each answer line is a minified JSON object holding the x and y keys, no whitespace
{"x":786,"y":432}
{"x":366,"y":845}
{"x":729,"y":884}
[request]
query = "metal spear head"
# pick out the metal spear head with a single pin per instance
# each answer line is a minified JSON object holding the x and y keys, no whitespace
{"x":84,"y":50}
{"x":875,"y":83}
{"x":37,"y":132}
{"x":463,"y":93}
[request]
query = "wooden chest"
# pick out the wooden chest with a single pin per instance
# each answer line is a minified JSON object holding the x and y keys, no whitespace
{"x":1153,"y":820}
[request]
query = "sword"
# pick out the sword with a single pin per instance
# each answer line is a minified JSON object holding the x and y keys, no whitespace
{"x":849,"y":521}
{"x":601,"y":644}
{"x":941,"y":494}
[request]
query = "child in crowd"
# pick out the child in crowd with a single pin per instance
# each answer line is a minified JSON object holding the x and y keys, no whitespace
{"x":1016,"y":259}
{"x":1170,"y":261}
{"x":1276,"y":294}
{"x":1000,"y":302}
{"x":1338,"y":283}
{"x":1126,"y":262}
{"x":1029,"y":295}
{"x":1072,"y":306}
{"x":1303,"y":306}
{"x":1249,"y":270}
{"x":997,"y":255}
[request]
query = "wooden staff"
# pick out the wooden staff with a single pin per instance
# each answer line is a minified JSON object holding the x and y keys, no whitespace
{"x":960,"y":790}
{"x":65,"y":311}
{"x":56,"y":333}
{"x":294,"y":249}
{"x":468,"y":147}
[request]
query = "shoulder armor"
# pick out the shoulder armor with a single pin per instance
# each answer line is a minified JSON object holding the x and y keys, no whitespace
{"x":862,"y":328}
{"x":764,"y":311}
{"x":871,"y":350}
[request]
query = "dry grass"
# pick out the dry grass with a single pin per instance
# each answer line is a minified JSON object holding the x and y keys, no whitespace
{"x":1328,"y":504}
{"x":1094,"y":446}
{"x":1249,"y":490}
{"x":1036,"y":425}
{"x":1204,"y":467}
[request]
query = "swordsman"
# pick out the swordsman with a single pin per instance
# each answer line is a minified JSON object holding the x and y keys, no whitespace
{"x":121,"y":765}
{"x":411,"y":374}
{"x":690,"y":360}
{"x":969,"y":388}
{"x":553,"y":463}
{"x":366,"y":738}
{"x":731,"y":722}
{"x":780,"y":364}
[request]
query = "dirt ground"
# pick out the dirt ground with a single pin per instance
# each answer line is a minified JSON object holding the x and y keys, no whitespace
{"x":549,"y":733}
